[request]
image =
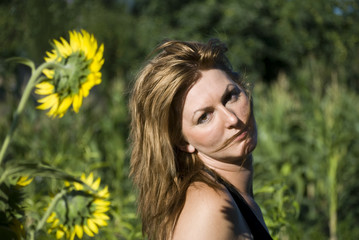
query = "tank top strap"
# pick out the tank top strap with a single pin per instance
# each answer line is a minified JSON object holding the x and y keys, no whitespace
{"x":257,"y":229}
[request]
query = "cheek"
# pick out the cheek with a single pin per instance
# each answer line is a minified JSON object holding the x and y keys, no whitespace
{"x":204,"y":138}
{"x":244,"y":111}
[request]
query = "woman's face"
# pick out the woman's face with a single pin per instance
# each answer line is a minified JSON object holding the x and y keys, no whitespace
{"x":215,"y":113}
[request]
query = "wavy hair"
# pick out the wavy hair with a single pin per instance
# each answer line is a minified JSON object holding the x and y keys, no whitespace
{"x":159,"y":169}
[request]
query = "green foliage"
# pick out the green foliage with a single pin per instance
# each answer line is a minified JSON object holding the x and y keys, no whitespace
{"x":280,"y":209}
{"x":307,"y":136}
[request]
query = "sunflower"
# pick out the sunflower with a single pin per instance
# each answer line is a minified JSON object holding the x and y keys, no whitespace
{"x":80,"y":62}
{"x":81,"y":211}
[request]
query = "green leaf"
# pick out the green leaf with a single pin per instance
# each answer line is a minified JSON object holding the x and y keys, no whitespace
{"x":24,"y":61}
{"x":15,"y":170}
{"x":265,"y":189}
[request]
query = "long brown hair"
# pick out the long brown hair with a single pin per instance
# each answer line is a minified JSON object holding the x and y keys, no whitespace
{"x":161,"y":172}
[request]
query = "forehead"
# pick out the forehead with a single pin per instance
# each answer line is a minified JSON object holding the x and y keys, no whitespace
{"x":211,"y":83}
{"x":207,"y":90}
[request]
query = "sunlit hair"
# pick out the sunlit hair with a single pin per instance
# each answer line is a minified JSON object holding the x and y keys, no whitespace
{"x":161,"y":172}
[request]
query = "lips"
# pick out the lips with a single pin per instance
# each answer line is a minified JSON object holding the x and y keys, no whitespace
{"x":240,"y":135}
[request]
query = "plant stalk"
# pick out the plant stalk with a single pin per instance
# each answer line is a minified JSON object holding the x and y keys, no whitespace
{"x":42,"y":222}
{"x":25,"y":96}
{"x":333,"y":201}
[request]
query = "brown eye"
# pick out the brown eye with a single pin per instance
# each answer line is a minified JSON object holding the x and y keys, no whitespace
{"x":205,"y":117}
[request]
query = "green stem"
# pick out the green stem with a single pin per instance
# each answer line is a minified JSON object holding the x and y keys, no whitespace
{"x":25,"y":96}
{"x":49,"y":210}
{"x":333,"y":201}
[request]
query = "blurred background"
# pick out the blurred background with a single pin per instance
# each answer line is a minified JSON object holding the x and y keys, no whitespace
{"x":301,"y":56}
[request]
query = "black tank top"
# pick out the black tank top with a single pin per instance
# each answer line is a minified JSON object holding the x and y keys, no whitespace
{"x":257,"y":229}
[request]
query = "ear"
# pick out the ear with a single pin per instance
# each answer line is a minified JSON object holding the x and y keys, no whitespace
{"x":187,"y":148}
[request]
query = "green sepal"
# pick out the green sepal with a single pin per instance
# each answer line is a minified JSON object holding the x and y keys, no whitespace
{"x":42,"y":79}
{"x":24,"y":61}
{"x":74,"y":206}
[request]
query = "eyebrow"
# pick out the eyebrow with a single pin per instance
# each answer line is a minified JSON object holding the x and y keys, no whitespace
{"x":224,"y":95}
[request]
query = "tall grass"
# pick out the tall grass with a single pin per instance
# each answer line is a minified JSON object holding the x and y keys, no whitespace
{"x":308,"y":130}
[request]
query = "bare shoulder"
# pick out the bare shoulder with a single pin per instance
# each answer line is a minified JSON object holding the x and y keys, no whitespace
{"x":210,"y":214}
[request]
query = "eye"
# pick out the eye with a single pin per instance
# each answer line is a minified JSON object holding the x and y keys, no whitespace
{"x":232,"y":96}
{"x":205,"y":117}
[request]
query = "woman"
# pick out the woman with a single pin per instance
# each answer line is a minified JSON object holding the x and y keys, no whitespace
{"x":193,"y":132}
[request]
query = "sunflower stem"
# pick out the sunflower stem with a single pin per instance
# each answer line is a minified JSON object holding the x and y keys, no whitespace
{"x":49,"y":210}
{"x":25,"y":96}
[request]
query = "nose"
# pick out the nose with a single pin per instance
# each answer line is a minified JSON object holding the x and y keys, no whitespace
{"x":230,"y":118}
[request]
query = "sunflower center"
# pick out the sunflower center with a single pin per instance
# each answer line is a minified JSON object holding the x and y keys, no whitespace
{"x":68,"y":80}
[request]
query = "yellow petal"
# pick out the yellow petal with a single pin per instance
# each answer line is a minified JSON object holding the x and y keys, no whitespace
{"x":53,"y":110}
{"x":44,"y":88}
{"x":74,"y":41}
{"x":51,"y":217}
{"x":51,"y":102}
{"x":93,"y":47}
{"x":45,"y":85}
{"x":85,"y":43}
{"x":92,"y":225}
{"x":89,"y":179}
{"x":72,"y":236}
{"x":95,"y":66}
{"x":104,"y":193}
{"x":100,"y":216}
{"x":77,"y":102}
{"x":94,"y":78}
{"x":61,"y":49}
{"x":83,"y":177}
{"x":96,"y":184}
{"x":24,"y":181}
{"x":48,"y":99}
{"x":64,"y":105}
{"x":86,"y":87}
{"x":99,"y":54}
{"x":49,"y":73}
{"x":59,"y":234}
{"x":101,"y":209}
{"x":67,"y":47}
{"x":97,"y":77}
{"x":78,"y":186}
{"x":100,"y":222}
{"x":88,"y":231}
{"x":79,"y":231}
{"x":51,"y":56}
{"x":100,"y":202}
{"x":55,"y":223}
{"x":45,"y":105}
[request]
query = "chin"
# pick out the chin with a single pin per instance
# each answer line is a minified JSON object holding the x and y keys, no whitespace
{"x":251,"y":144}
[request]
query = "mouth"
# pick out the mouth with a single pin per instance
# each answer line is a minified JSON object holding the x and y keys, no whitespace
{"x":238,"y":137}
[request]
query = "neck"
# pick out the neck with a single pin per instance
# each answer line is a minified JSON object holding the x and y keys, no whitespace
{"x":240,"y":175}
